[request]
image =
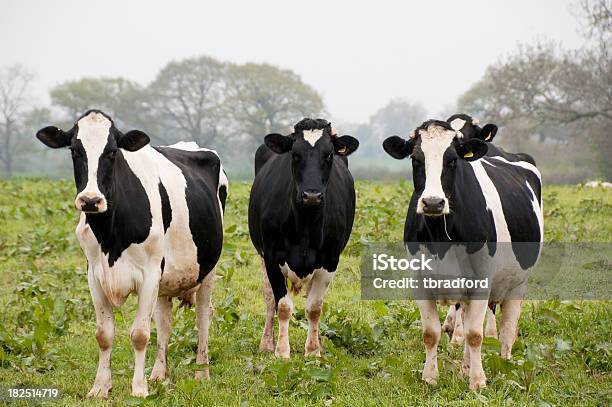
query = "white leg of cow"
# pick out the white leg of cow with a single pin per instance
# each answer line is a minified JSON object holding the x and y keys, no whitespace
{"x":314,"y":305}
{"x":163,"y":322}
{"x":431,"y":336}
{"x":285,"y":308}
{"x":204,"y":311}
{"x":458,"y":333}
{"x":491,"y":325}
{"x":105,"y":332}
{"x":141,"y":330}
{"x":511,"y":312}
{"x":475,"y":311}
{"x":267,"y":337}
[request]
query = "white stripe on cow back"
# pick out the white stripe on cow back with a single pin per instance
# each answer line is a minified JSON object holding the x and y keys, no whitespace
{"x":312,"y":136}
{"x":434,"y":142}
{"x":492,"y":200}
{"x":93,"y":134}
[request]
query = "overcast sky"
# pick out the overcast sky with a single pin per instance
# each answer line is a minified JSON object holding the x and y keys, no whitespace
{"x":357,"y":54}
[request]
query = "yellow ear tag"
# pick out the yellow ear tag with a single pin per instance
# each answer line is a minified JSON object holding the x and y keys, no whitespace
{"x":469,"y":154}
{"x":488,"y":137}
{"x":342,"y":150}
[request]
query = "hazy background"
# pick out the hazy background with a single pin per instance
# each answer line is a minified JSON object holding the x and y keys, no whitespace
{"x":373,"y":69}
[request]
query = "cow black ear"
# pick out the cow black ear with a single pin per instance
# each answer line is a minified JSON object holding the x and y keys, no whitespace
{"x":278,"y":143}
{"x":54,"y":137}
{"x":397,"y":147}
{"x":472,"y":149}
{"x":488,"y":132}
{"x":345,"y":145}
{"x":133,"y":140}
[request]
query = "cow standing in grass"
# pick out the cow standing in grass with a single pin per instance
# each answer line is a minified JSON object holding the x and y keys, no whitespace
{"x":475,"y":196}
{"x":301,"y":212}
{"x":151,"y":224}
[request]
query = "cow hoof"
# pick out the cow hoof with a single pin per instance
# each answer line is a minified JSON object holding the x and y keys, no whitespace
{"x":432,"y":381}
{"x":316,"y":352}
{"x":283,"y":354}
{"x":202,"y":374}
{"x":457,"y":340}
{"x":140,"y":389}
{"x":158,"y":374}
{"x":99,"y":391}
{"x":266,"y":345}
{"x":480,"y":382}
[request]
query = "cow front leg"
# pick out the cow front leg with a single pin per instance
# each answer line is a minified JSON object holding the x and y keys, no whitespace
{"x":163,"y":322}
{"x":284,"y":310}
{"x":431,"y":336}
{"x":204,"y":311}
{"x":314,"y":305}
{"x":141,"y":330}
{"x":511,"y":312}
{"x":266,"y":344}
{"x":105,"y":332}
{"x":475,"y":311}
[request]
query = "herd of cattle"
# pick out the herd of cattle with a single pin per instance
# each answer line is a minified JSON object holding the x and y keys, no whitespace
{"x":151,"y":223}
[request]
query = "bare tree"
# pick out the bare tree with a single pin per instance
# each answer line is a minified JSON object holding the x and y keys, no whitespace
{"x":15,"y":82}
{"x":187,"y":96}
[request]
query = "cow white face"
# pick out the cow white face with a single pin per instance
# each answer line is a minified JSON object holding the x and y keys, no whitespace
{"x":435,"y":148}
{"x":95,"y":145}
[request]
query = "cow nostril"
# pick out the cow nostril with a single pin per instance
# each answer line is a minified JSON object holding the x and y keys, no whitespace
{"x":311,"y":197}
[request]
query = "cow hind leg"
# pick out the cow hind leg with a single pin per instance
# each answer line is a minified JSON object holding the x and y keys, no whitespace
{"x":105,"y":332}
{"x":449,"y":322}
{"x":431,"y":336}
{"x":314,"y":306}
{"x":163,"y":322}
{"x":458,"y":333}
{"x":204,"y":310}
{"x":511,"y":311}
{"x":266,"y":344}
{"x":491,"y":324}
{"x":475,"y":311}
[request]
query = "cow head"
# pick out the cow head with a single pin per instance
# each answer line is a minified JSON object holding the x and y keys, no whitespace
{"x":436,"y":149}
{"x":95,"y":143}
{"x":312,"y":146}
{"x":469,"y":127}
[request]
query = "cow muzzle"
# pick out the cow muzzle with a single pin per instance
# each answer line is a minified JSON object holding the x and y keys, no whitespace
{"x":432,"y":206}
{"x":312,"y":198}
{"x":90,"y":202}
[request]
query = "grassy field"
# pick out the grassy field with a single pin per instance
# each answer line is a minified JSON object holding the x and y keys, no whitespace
{"x":373,"y":350}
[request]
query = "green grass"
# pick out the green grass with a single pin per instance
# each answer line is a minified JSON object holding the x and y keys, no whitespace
{"x":373,"y":349}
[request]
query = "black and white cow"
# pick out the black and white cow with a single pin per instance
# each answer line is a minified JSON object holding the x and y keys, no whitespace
{"x":301,"y":213}
{"x":466,"y":190}
{"x":151,"y":224}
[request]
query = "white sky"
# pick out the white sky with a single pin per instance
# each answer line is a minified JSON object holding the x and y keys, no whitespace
{"x":357,"y":54}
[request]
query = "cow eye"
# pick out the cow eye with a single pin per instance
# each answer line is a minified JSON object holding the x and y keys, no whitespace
{"x":329,"y":157}
{"x":111,"y":154}
{"x":453,"y":163}
{"x":296,"y":158}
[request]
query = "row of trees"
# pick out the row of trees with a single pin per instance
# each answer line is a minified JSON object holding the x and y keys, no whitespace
{"x":219,"y":105}
{"x":555,"y":102}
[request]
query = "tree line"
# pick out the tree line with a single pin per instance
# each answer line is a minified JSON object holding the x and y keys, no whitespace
{"x":552,"y":102}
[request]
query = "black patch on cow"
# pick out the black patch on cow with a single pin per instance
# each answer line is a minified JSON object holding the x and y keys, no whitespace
{"x":516,"y":200}
{"x":128,"y":219}
{"x":304,"y":238}
{"x":163,"y":265}
{"x":201,"y":172}
{"x":166,"y":209}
